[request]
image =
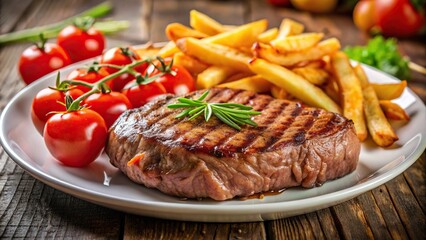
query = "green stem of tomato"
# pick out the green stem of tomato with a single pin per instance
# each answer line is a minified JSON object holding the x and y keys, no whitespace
{"x":75,"y":105}
{"x":52,"y":30}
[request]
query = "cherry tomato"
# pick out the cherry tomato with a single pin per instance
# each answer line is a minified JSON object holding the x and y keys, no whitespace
{"x":109,"y":105}
{"x":81,"y":44}
{"x":398,"y":18}
{"x":179,"y":81}
{"x":138,"y":95}
{"x":37,"y":61}
{"x":75,"y":138}
{"x":279,"y":2}
{"x":364,"y":15}
{"x":47,"y":101}
{"x":89,"y":76}
{"x":121,"y":56}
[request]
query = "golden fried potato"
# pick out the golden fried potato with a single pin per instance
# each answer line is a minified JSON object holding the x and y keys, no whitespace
{"x":393,"y":111}
{"x":378,"y":126}
{"x":214,"y":54}
{"x":323,"y":48}
{"x":315,"y":76}
{"x":389,"y":91}
{"x":297,"y":42}
{"x":242,"y":36}
{"x":213,"y":76}
{"x":194,"y":66}
{"x":289,"y":27}
{"x":293,"y":84}
{"x":280,"y":93}
{"x":351,"y":92}
{"x":268,"y":35}
{"x":205,"y":24}
{"x":254,"y":83}
{"x":175,"y":31}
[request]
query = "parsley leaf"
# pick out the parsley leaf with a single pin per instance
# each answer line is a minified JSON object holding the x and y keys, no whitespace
{"x":383,"y":54}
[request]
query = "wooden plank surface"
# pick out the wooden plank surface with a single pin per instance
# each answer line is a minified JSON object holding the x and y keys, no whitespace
{"x":30,"y":209}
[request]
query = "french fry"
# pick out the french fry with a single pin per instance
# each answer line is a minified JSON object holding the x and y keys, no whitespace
{"x":238,"y":76}
{"x":148,"y":50}
{"x":213,"y":76}
{"x":242,"y":36}
{"x":378,"y":126}
{"x":320,"y":63}
{"x":315,"y":76}
{"x":194,"y":66}
{"x":332,"y":90}
{"x":380,"y":129}
{"x":168,"y":50}
{"x":362,"y":77}
{"x":279,"y":93}
{"x":389,"y":91}
{"x":205,"y":24}
{"x":214,"y":54}
{"x":293,"y":84}
{"x":323,"y":48}
{"x":297,"y":42}
{"x":351,"y":92}
{"x":393,"y":111}
{"x":289,"y":27}
{"x":268,"y":35}
{"x":175,"y":31}
{"x":254,"y":83}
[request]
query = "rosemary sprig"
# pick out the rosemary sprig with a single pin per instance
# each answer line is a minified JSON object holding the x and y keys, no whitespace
{"x":233,"y":114}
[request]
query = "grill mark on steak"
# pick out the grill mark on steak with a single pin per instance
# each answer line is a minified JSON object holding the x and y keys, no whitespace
{"x":294,"y":145}
{"x":193,"y":133}
{"x":247,"y":140}
{"x":231,"y":133}
{"x":209,"y":142}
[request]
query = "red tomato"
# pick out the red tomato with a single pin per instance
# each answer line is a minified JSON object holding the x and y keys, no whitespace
{"x":47,"y":101}
{"x":121,"y":56}
{"x":109,"y":105}
{"x":81,"y":44}
{"x":179,"y":82}
{"x":279,"y":2}
{"x":75,"y":138}
{"x":37,"y":61}
{"x":89,"y":76}
{"x":364,"y":15}
{"x":141,"y":94}
{"x":398,"y":18}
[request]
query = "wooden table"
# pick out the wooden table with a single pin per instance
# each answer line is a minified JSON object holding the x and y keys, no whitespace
{"x":31,"y":209}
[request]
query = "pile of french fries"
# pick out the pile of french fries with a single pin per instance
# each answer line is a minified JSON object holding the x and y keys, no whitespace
{"x":287,"y":63}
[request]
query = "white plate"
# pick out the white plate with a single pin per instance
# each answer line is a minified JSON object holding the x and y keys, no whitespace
{"x":103,"y":184}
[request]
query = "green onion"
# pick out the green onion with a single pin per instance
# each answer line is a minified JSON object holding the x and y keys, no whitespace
{"x":51,"y":30}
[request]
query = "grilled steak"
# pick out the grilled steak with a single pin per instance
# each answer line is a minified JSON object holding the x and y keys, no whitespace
{"x":293,"y":145}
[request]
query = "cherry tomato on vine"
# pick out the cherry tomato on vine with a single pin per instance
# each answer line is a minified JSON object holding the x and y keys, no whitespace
{"x":109,"y":105}
{"x":399,"y":18}
{"x":88,"y":75}
{"x":75,"y":138}
{"x":121,"y":56}
{"x":81,"y":41}
{"x":176,"y":79}
{"x":39,"y":60}
{"x":49,"y":100}
{"x":138,"y":95}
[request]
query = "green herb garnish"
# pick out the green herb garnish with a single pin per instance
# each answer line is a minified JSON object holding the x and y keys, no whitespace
{"x":232,"y":114}
{"x":382,"y":54}
{"x":52,"y":30}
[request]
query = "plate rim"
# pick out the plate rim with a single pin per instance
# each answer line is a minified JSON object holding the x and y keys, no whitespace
{"x":317,"y":202}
